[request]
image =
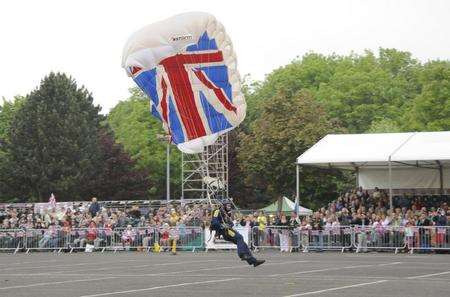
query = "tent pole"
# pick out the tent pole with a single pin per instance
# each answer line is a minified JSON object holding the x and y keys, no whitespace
{"x":297,"y":184}
{"x":390,"y":184}
{"x":441,"y":179}
{"x":357,"y":176}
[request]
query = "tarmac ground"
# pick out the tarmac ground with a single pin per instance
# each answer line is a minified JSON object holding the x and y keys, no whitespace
{"x":223,"y":274}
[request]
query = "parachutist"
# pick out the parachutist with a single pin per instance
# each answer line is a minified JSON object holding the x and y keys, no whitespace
{"x":221,"y":223}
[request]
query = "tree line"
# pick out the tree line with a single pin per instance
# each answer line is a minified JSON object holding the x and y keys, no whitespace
{"x":55,"y":139}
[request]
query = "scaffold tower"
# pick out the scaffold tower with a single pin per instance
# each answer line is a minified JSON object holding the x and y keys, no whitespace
{"x":205,"y":175}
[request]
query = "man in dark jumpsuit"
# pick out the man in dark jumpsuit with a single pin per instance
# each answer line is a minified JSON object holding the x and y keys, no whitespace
{"x":222,"y":224}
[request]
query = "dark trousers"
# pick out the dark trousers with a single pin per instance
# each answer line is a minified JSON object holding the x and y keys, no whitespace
{"x":229,"y":234}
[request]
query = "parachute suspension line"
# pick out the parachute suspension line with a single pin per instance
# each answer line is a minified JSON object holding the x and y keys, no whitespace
{"x":205,"y":174}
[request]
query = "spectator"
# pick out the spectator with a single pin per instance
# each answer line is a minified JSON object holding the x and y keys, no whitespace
{"x":94,"y":208}
{"x":284,"y":234}
{"x":262,"y":223}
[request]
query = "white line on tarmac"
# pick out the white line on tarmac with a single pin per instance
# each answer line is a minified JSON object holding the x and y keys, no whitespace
{"x":188,"y":262}
{"x":319,"y":270}
{"x":330,"y":269}
{"x":336,"y":289}
{"x":28,"y":262}
{"x":67,"y":265}
{"x":139,"y":266}
{"x":259,"y":277}
{"x":389,"y":264}
{"x":152,"y":274}
{"x":221,"y":268}
{"x":162,"y":287}
{"x":428,"y":275}
{"x":56,"y":283}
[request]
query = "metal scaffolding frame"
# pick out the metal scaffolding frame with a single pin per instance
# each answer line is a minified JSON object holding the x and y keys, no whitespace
{"x":205,"y":175}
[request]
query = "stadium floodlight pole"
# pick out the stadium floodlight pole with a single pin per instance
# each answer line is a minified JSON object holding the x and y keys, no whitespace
{"x":166,"y":138}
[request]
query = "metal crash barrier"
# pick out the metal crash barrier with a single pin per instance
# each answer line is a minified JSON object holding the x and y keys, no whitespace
{"x":379,"y":238}
{"x":12,"y":240}
{"x":423,"y":239}
{"x":284,"y":238}
{"x":129,"y":238}
{"x":188,"y":238}
{"x":333,"y":238}
{"x":54,"y":239}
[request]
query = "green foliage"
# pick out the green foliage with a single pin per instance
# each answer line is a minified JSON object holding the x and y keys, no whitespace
{"x":7,"y":112}
{"x":354,"y":89}
{"x":384,"y":126}
{"x":118,"y":179}
{"x":430,"y":110}
{"x":288,"y":125}
{"x":137,"y":131}
{"x":53,"y":141}
{"x":387,"y":92}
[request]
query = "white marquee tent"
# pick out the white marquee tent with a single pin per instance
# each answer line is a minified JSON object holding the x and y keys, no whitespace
{"x":416,"y":160}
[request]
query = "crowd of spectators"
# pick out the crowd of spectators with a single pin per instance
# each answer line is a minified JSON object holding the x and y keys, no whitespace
{"x":83,"y":215}
{"x":357,"y":207}
{"x":93,"y":223}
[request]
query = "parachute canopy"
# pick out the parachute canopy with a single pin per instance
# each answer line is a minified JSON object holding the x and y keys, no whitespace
{"x":187,"y":66}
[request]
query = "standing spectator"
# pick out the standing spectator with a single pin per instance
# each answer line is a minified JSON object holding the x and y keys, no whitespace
{"x":345,"y":218}
{"x":91,"y":236}
{"x":284,"y":234}
{"x":304,"y":233}
{"x":362,"y":222}
{"x":164,"y":237}
{"x":409,"y":236}
{"x":94,"y":208}
{"x":262,"y":223}
{"x":134,"y":215}
{"x":128,"y":237}
{"x":317,"y":225}
{"x":424,"y":232}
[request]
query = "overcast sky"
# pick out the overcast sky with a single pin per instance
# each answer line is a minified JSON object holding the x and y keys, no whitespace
{"x":85,"y":38}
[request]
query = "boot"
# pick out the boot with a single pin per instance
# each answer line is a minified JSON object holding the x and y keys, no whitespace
{"x":249,"y":258}
{"x":258,"y":262}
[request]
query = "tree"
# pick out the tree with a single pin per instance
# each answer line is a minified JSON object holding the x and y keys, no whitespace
{"x":53,"y":141}
{"x":7,"y":113}
{"x":354,"y":89}
{"x":366,"y":88}
{"x":137,"y":131}
{"x":384,"y":125}
{"x":118,"y":179}
{"x":288,"y":126}
{"x":430,"y":110}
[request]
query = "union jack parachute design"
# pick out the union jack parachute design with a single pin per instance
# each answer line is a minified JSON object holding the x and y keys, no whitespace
{"x":187,"y":66}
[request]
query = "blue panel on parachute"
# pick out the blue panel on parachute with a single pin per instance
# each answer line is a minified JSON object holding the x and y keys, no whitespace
{"x":204,"y":43}
{"x":219,"y":76}
{"x":175,"y":125}
{"x":147,"y":82}
{"x":217,"y":121}
{"x":155,"y":113}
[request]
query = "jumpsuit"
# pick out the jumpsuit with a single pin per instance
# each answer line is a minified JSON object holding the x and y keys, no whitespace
{"x":220,"y":223}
